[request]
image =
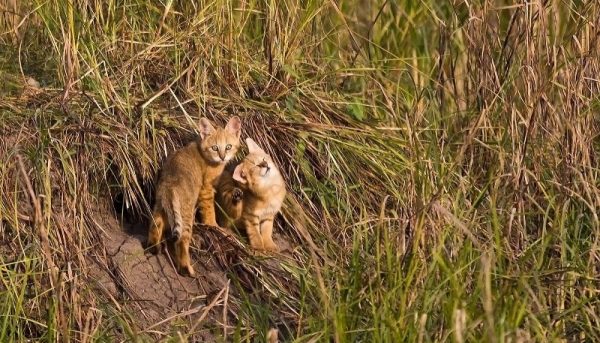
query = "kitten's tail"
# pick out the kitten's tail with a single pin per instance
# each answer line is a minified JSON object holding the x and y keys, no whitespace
{"x":173,"y":210}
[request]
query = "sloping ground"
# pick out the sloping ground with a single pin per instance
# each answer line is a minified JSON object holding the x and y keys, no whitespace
{"x":149,"y":288}
{"x":139,"y":293}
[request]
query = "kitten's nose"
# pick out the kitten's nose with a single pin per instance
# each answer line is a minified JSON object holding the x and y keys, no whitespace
{"x":222,"y":156}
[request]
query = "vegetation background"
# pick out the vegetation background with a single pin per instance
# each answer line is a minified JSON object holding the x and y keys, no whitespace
{"x":441,"y":157}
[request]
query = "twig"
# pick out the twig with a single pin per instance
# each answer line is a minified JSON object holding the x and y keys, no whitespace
{"x":225,"y":301}
{"x":168,"y":85}
{"x":358,"y":49}
{"x":45,"y":245}
{"x":209,"y":307}
{"x":39,"y":223}
{"x":177,"y":315}
{"x":458,"y":223}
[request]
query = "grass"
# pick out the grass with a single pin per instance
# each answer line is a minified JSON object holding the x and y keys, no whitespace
{"x":442,"y":158}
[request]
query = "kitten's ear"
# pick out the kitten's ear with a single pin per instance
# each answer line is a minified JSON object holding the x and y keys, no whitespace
{"x":206,"y":128}
{"x":253,"y":147}
{"x":234,"y":125}
{"x":238,"y":174}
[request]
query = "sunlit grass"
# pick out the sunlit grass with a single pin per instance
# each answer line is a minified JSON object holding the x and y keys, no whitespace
{"x":443,"y":155}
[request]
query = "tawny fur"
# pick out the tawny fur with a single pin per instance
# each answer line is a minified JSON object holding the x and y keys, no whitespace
{"x":188,"y":179}
{"x":272,"y":336}
{"x":251,"y":195}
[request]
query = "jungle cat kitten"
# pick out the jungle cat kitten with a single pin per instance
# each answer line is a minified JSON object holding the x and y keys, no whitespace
{"x":251,"y":195}
{"x":188,"y":179}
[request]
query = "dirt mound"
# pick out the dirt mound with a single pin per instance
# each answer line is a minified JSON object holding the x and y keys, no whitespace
{"x":148,"y":287}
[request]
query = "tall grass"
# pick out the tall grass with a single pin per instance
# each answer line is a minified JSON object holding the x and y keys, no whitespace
{"x":442,"y":156}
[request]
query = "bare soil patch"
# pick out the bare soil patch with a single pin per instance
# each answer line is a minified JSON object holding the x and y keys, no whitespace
{"x":148,"y":287}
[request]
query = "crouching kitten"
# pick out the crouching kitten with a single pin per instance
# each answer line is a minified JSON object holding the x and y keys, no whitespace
{"x":250,"y":195}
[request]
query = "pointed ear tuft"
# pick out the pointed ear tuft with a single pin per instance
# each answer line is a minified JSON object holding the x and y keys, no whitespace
{"x":234,"y":125}
{"x":239,"y":175}
{"x":253,"y":147}
{"x":206,"y":128}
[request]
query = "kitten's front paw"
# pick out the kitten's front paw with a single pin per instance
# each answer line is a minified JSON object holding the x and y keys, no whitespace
{"x":265,"y":246}
{"x":270,"y":247}
{"x":237,"y":195}
{"x":256,"y":244}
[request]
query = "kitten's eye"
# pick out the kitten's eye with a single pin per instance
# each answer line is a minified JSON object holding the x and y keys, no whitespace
{"x":215,"y":148}
{"x":228,"y":147}
{"x":263,"y":164}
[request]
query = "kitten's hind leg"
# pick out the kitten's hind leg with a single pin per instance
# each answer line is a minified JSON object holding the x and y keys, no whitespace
{"x":177,"y":221}
{"x":182,"y":247}
{"x":182,"y":253}
{"x":155,"y":232}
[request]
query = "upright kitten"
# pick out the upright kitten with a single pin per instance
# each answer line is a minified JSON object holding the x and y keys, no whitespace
{"x":188,"y":179}
{"x":251,"y":195}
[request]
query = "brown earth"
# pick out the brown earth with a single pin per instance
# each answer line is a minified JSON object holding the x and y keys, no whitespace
{"x":148,"y":287}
